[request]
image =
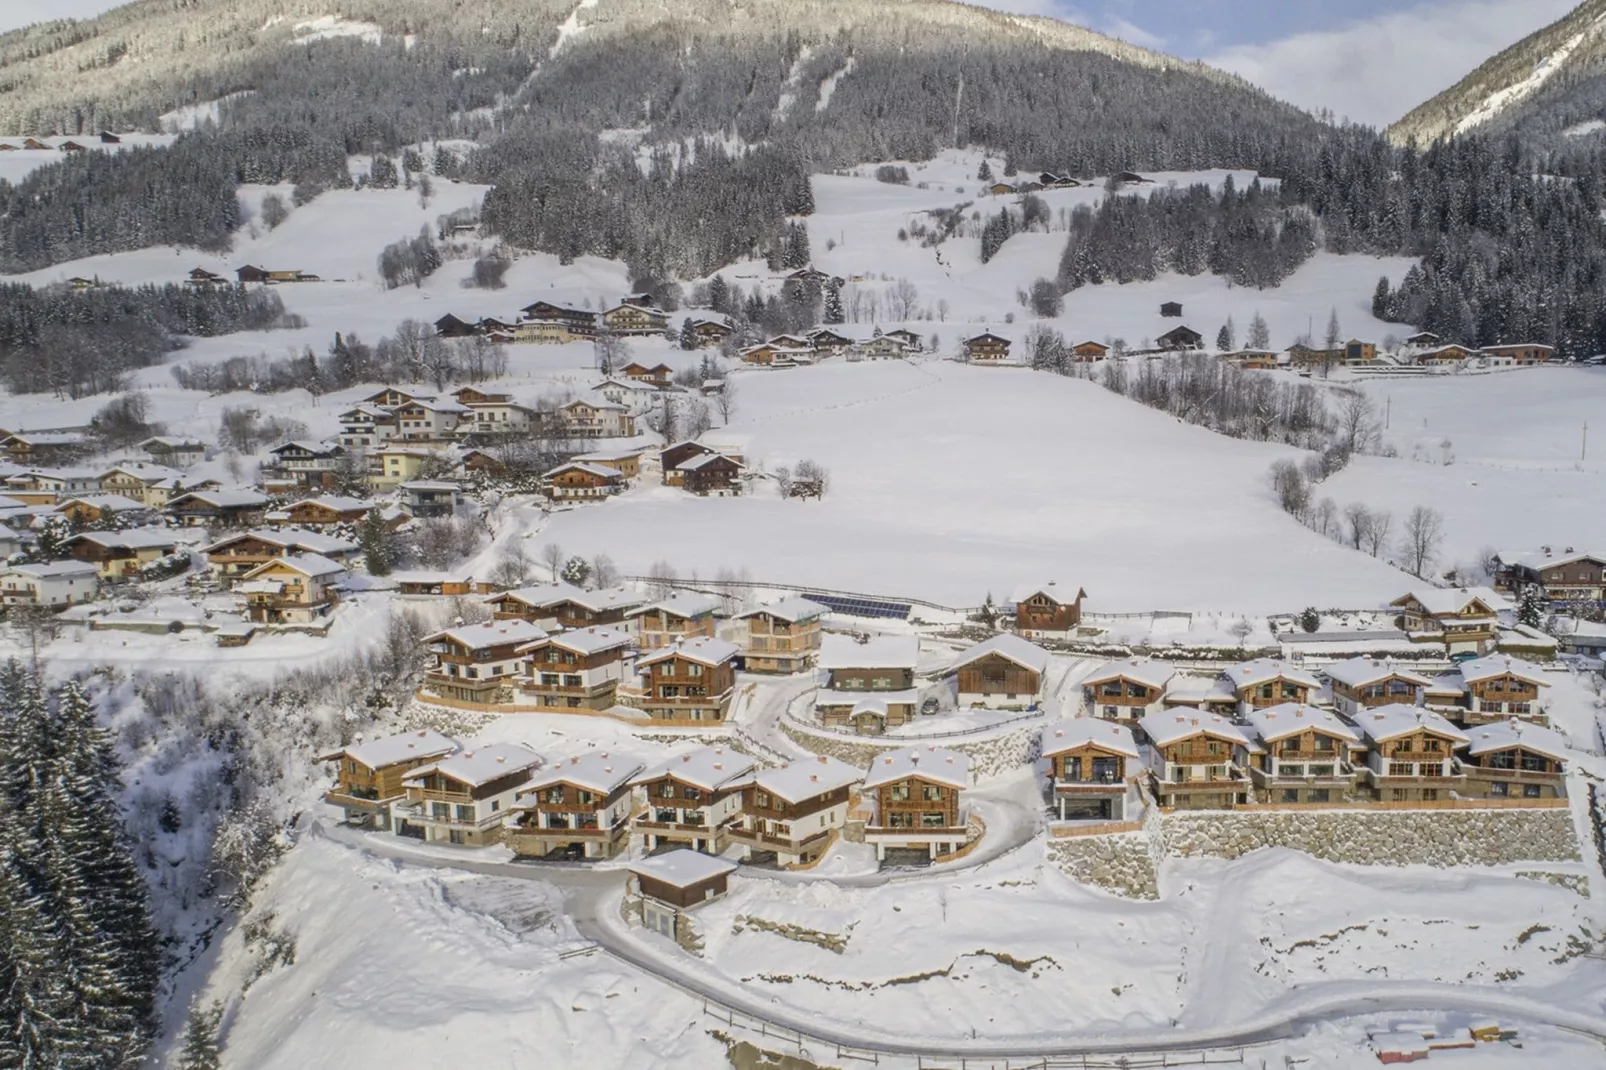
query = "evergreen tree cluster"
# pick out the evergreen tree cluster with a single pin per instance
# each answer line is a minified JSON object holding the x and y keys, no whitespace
{"x":80,"y":963}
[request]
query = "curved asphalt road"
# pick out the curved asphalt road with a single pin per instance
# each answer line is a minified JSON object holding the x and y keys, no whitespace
{"x":592,"y":898}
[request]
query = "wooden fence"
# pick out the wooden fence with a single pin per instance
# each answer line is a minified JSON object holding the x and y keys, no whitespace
{"x":569,"y":711}
{"x":1102,"y":828}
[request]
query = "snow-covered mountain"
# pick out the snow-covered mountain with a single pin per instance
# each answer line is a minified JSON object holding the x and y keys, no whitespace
{"x":1548,"y":87}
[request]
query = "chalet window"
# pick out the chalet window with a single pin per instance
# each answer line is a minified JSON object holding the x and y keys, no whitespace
{"x":440,"y":811}
{"x":1432,"y":769}
{"x":1137,"y":691}
{"x":900,"y":819}
{"x":694,"y":817}
{"x":1503,"y":760}
{"x":1533,"y":763}
{"x":666,"y":817}
{"x":1430,"y":794}
{"x":1402,"y":769}
{"x":549,"y":679}
{"x":1499,"y":789}
{"x":761,"y":799}
{"x":553,"y":795}
{"x":929,"y":820}
{"x":1072,"y":768}
{"x":1291,"y":770}
{"x":666,"y":790}
{"x":585,"y":798}
{"x":1112,"y":689}
{"x":1530,"y":791}
{"x":1432,"y":746}
{"x":571,"y":681}
{"x":694,"y":670}
{"x":1399,"y":687}
{"x":465,"y":813}
{"x":1324,"y":743}
{"x":691,"y":793}
{"x":932,"y":793}
{"x":900,"y":792}
{"x":1290,"y":795}
{"x":1213,"y":747}
{"x":1519,"y":707}
{"x":1319,"y":770}
{"x":1291,"y":743}
{"x":1267,"y":691}
{"x":668,"y":691}
{"x":1106,"y":770}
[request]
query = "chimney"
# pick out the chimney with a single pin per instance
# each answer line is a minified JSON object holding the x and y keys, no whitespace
{"x":822,"y":759}
{"x":501,"y":759}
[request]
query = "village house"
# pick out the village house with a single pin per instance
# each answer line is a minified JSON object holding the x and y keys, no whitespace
{"x":791,"y":812}
{"x":1445,"y":356}
{"x":869,"y":686}
{"x":1514,"y":760}
{"x":656,"y":375}
{"x":479,"y":663}
{"x":637,"y":398}
{"x":429,"y":419}
{"x":1410,"y":754}
{"x":680,"y":616}
{"x":1464,"y":620}
{"x":1252,"y":359}
{"x":437,"y":583}
{"x":218,"y":508}
{"x":711,"y":475}
{"x":626,"y":462}
{"x":1127,"y":690}
{"x":563,"y":605}
{"x":1169,"y":309}
{"x":1565,"y":578}
{"x":463,"y":799}
{"x":783,"y":637}
{"x":554,"y":331}
{"x":44,"y":486}
{"x":312,"y":464}
{"x":136,"y":478}
{"x":54,"y":584}
{"x":672,"y":456}
{"x":1180,"y":338}
{"x":662,"y":890}
{"x":1197,"y":760}
{"x":160,"y":494}
{"x":394,"y":465}
{"x":366,"y":426}
{"x":368,"y":776}
{"x":1522,"y":354}
{"x":917,"y":800}
{"x":581,"y":322}
{"x":710,"y":333}
{"x":987,"y":348}
{"x":327,"y":511}
{"x":203,"y":279}
{"x":120,"y":555}
{"x":1499,"y":687}
{"x":94,"y":508}
{"x":579,"y":669}
{"x":1423,"y":340}
{"x":769,"y":354}
{"x":1089,"y":351}
{"x":449,"y":326}
{"x":429,"y":497}
{"x":44,"y":448}
{"x":174,"y":452}
{"x":586,"y":419}
{"x":1302,"y":754}
{"x":1213,"y":694}
{"x":579,"y":481}
{"x":1004,"y":672}
{"x":1359,"y":684}
{"x":295,"y":589}
{"x":885,"y":347}
{"x":1001,"y":189}
{"x":828,"y":343}
{"x":579,"y":809}
{"x":912,"y":342}
{"x":1048,"y":611}
{"x":485,"y":420}
{"x":1268,"y":682}
{"x":631,"y":319}
{"x":692,"y":680}
{"x":692,"y":799}
{"x":1093,"y":765}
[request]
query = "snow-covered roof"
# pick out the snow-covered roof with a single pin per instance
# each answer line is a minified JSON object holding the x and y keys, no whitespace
{"x":681,"y":605}
{"x":1291,"y":718}
{"x":805,"y":778}
{"x":377,"y":753}
{"x":48,"y":438}
{"x":1537,"y":559}
{"x":1397,"y":719}
{"x":1062,"y":595}
{"x":597,"y":456}
{"x":132,"y":539}
{"x":54,"y":568}
{"x":1156,"y":674}
{"x":702,"y":649}
{"x":682,"y":867}
{"x":582,"y":641}
{"x":312,"y":565}
{"x":1261,"y":670}
{"x":709,"y":768}
{"x":1502,"y":735}
{"x":880,"y":652}
{"x":173,"y":443}
{"x":365,"y":408}
{"x":791,"y":610}
{"x":425,"y":575}
{"x":481,"y":765}
{"x":338,"y":503}
{"x":1363,"y":672}
{"x":555,"y":594}
{"x":937,"y":764}
{"x":224,"y":499}
{"x":1081,"y":731}
{"x":439,"y":405}
{"x":1487,"y":668}
{"x":1448,"y":683}
{"x":145,"y":471}
{"x":597,"y":470}
{"x":1442,"y":601}
{"x":432,"y":485}
{"x":298,"y":538}
{"x":1009,"y":646}
{"x":1168,"y":727}
{"x":317,"y":448}
{"x":490,"y":633}
{"x":702,"y":460}
{"x":874,"y":701}
{"x":596,"y":771}
{"x":114,"y":502}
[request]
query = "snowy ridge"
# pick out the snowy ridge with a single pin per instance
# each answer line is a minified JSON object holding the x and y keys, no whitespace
{"x":569,"y":28}
{"x":327,"y":27}
{"x":832,"y":80}
{"x":1501,"y":99}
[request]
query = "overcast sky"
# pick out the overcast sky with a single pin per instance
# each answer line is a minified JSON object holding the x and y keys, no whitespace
{"x":1367,"y":60}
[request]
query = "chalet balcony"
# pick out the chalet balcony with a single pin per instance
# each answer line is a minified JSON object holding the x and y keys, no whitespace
{"x":1339,"y":773}
{"x":356,"y":799}
{"x":764,"y":841}
{"x":583,"y":689}
{"x":687,"y":702}
{"x":673,"y":827}
{"x":1515,"y":776}
{"x":1091,"y":785}
{"x":423,"y":815}
{"x":918,"y":832}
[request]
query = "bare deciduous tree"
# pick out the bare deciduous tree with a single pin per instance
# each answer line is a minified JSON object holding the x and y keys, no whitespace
{"x":1288,"y":484}
{"x":604,"y":573}
{"x":552,"y":557}
{"x":1377,"y":536}
{"x":1358,"y":523}
{"x":661,"y":579}
{"x":1424,"y":534}
{"x":725,"y":401}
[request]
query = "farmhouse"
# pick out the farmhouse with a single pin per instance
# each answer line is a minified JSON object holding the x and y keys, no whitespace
{"x":93,"y":508}
{"x":43,"y":448}
{"x":1179,"y":338}
{"x":672,"y":456}
{"x":1087,"y":352}
{"x":1127,"y":690}
{"x":368,"y":778}
{"x":1500,"y":686}
{"x":790,"y":812}
{"x":434,"y":583}
{"x":366,"y":425}
{"x":1252,"y":359}
{"x":200,"y":277}
{"x":578,"y":669}
{"x":54,"y":585}
{"x":1464,"y":620}
{"x":1197,"y":760}
{"x":309,"y":462}
{"x":884,"y":348}
{"x":1445,"y":356}
{"x":709,"y":333}
{"x":691,"y":680}
{"x":656,"y":375}
{"x":681,"y":616}
{"x":1515,"y":760}
{"x":1359,"y":684}
{"x":293,"y":589}
{"x":629,"y":319}
{"x":429,"y":419}
{"x":782,"y":637}
{"x":138,"y":480}
{"x":579,"y":481}
{"x":586,"y":419}
{"x":394,"y":465}
{"x":1092,"y":766}
{"x":987,"y":348}
{"x":1410,"y":754}
{"x":479,"y":663}
{"x":711,"y":475}
{"x":692,"y":799}
{"x":869,"y":686}
{"x":1048,"y":611}
{"x":918,"y":801}
{"x":1302,"y":754}
{"x":464,"y":798}
{"x":1565,"y":577}
{"x":626,"y":462}
{"x":829,"y":343}
{"x":579,"y":808}
{"x":1004,"y":672}
{"x":1171,"y":309}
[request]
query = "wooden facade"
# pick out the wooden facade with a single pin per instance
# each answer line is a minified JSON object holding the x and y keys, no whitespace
{"x":680,"y":687}
{"x":1514,"y":772}
{"x":995,"y":676}
{"x":1045,"y":614}
{"x":575,"y":673}
{"x":987,"y":348}
{"x":1090,"y":781}
{"x":777,"y":644}
{"x":365,"y":786}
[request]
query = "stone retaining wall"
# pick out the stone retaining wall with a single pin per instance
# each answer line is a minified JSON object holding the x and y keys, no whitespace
{"x":1119,"y":863}
{"x":989,"y":755}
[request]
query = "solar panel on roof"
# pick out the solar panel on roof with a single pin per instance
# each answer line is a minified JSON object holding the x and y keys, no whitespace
{"x":863,"y":607}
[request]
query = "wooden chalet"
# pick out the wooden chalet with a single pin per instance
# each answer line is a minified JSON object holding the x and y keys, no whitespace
{"x":577,"y":809}
{"x":174,"y":451}
{"x":449,"y":326}
{"x":436,"y":583}
{"x":987,"y":348}
{"x":657,"y":374}
{"x":295,"y":589}
{"x":712,"y":475}
{"x":1566,"y":577}
{"x":1444,"y":356}
{"x":1127,"y":690}
{"x":586,"y":419}
{"x":680,"y":616}
{"x":1464,"y":620}
{"x":829,"y":343}
{"x":1423,"y":340}
{"x":1171,"y":309}
{"x":1004,"y":672}
{"x":1001,"y":189}
{"x":1302,"y":754}
{"x":1197,"y":760}
{"x":1088,"y":352}
{"x":912,"y":342}
{"x":464,"y":798}
{"x":790,"y":813}
{"x":885,"y":347}
{"x":692,"y":799}
{"x":109,"y":138}
{"x":579,"y":669}
{"x":581,"y":481}
{"x":251,"y":273}
{"x":1180,"y":338}
{"x":917,"y":803}
{"x":1093,"y":765}
{"x":1252,"y":359}
{"x":479,"y":663}
{"x":71,"y":147}
{"x":368,"y":776}
{"x":120,"y":555}
{"x":218,"y":508}
{"x":200,"y":277}
{"x":94,"y":508}
{"x":626,"y":462}
{"x":869,"y":686}
{"x":1358,"y":684}
{"x":1514,"y":760}
{"x":1410,"y":754}
{"x":564,"y":605}
{"x":662,"y":890}
{"x":34,"y":144}
{"x":325,"y":512}
{"x":1048,"y":611}
{"x":1500,"y":686}
{"x":44,"y":447}
{"x":710,"y":333}
{"x":1521,"y":354}
{"x":692,"y":680}
{"x":783,"y":637}
{"x":628,"y":319}
{"x":671,"y":457}
{"x":1267,"y":682}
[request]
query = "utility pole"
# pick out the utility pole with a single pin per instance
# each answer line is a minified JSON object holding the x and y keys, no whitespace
{"x":1388,"y":411}
{"x":1583,"y":453}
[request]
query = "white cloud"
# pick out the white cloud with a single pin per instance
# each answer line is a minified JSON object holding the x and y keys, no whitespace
{"x":1130,"y":32}
{"x":1376,"y":71}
